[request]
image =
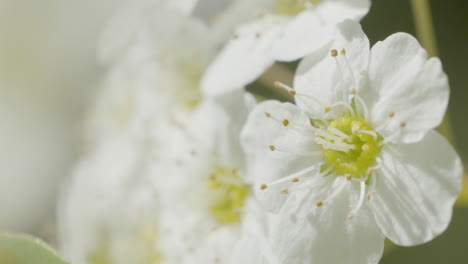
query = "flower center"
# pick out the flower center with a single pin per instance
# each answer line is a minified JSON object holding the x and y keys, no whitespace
{"x":292,"y":7}
{"x":227,"y":194}
{"x":350,"y":146}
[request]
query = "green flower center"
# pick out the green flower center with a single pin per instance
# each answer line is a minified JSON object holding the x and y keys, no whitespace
{"x":350,"y":146}
{"x":292,"y":7}
{"x":227,"y":194}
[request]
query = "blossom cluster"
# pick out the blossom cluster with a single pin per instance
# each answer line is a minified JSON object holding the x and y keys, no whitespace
{"x":182,"y":165}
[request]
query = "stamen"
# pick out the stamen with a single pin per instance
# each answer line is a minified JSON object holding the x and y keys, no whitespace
{"x":364,"y":106}
{"x":403,"y":124}
{"x":280,"y":85}
{"x":319,"y":204}
{"x":295,"y":180}
{"x":334,"y":194}
{"x":285,"y":122}
{"x":340,"y":146}
{"x":293,"y":176}
{"x":391,"y":114}
{"x":347,"y":105}
{"x":369,"y":132}
{"x":285,"y":191}
{"x":263,"y":187}
{"x":325,"y":134}
{"x":361,"y":200}
{"x":350,"y":69}
{"x":272,"y":148}
{"x":338,"y":132}
{"x":334,"y":53}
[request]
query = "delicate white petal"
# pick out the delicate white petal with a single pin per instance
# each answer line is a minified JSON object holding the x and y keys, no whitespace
{"x":327,"y":235}
{"x":294,"y":149}
{"x":244,"y":58}
{"x":416,"y":190}
{"x":237,"y":13}
{"x":304,"y":34}
{"x":335,"y":11}
{"x":331,"y":79}
{"x":404,"y":82}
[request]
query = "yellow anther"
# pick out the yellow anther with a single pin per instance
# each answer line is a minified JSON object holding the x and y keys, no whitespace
{"x":285,"y":122}
{"x":285,"y":191}
{"x":369,"y":196}
{"x":334,"y":53}
{"x":272,"y":148}
{"x":295,"y":180}
{"x":277,"y":85}
{"x":343,"y":52}
{"x":319,"y":204}
{"x":292,"y":92}
{"x":349,"y":177}
{"x":263,"y":187}
{"x":403,"y":124}
{"x":267,"y":114}
{"x":327,"y":109}
{"x":391,"y":114}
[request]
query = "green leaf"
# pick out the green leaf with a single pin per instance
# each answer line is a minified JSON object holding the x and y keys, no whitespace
{"x":24,"y":249}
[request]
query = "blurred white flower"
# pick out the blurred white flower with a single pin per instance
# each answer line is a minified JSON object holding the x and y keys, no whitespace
{"x":206,"y":185}
{"x":356,"y":160}
{"x":285,"y":30}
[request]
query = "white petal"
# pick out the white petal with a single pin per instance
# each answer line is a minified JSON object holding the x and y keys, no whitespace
{"x":328,"y":236}
{"x":244,"y":58}
{"x":416,"y":189}
{"x":184,"y":6}
{"x":329,"y":78}
{"x":335,"y":11}
{"x":294,"y":148}
{"x":404,"y":82}
{"x":305,"y":34}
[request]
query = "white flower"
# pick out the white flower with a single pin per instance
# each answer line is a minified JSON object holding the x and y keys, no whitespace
{"x":356,"y":160}
{"x":286,"y":30}
{"x":207,"y":187}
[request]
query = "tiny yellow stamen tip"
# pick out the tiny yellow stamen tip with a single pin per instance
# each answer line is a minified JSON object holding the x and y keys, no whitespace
{"x":263,"y":187}
{"x":234,"y":171}
{"x":277,"y":85}
{"x":350,"y":216}
{"x":285,"y":191}
{"x":292,"y":92}
{"x":369,"y":196}
{"x":267,"y":114}
{"x":353,"y":91}
{"x":334,"y":53}
{"x":343,"y":52}
{"x":327,"y":109}
{"x":285,"y":122}
{"x":403,"y":124}
{"x":319,"y":204}
{"x":349,"y":177}
{"x":272,"y":148}
{"x":391,"y":114}
{"x":295,"y":180}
